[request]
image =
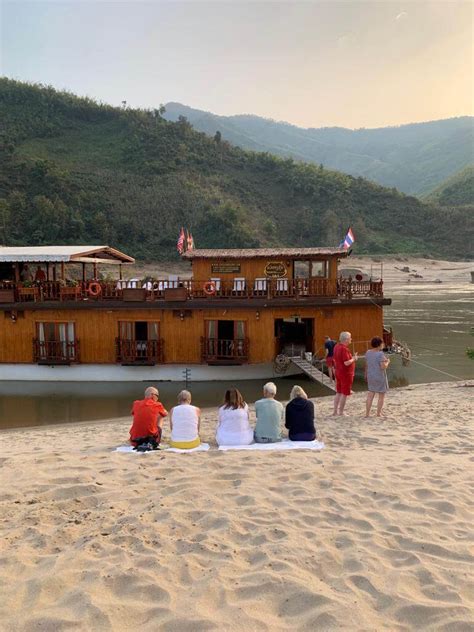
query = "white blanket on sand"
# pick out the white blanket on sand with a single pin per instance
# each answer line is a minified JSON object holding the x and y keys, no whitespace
{"x":204,"y":447}
{"x":285,"y":444}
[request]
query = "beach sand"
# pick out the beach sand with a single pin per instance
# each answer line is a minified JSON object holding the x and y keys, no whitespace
{"x":374,"y":532}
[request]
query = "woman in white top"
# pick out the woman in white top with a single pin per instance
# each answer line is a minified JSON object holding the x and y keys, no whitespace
{"x":185,"y":421}
{"x":233,"y":427}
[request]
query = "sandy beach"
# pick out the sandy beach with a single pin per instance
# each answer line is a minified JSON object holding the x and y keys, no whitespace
{"x":372,"y":533}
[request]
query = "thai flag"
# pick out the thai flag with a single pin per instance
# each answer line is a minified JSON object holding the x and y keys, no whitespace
{"x":180,"y":244}
{"x":349,"y":239}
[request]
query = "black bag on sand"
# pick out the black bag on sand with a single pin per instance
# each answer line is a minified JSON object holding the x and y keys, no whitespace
{"x":145,"y":444}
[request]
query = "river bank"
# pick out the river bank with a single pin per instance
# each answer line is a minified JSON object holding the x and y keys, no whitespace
{"x":371,"y":533}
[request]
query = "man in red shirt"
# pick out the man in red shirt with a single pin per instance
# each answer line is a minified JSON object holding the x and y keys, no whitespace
{"x":148,"y":415}
{"x":344,"y":363}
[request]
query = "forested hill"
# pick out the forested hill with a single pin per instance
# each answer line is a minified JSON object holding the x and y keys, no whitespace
{"x":456,"y":191}
{"x":414,"y":158}
{"x":74,"y":171}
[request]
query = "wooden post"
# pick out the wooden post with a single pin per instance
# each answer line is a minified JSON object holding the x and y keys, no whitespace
{"x":62,"y":270}
{"x":54,"y":272}
{"x":83,"y":272}
{"x":120,"y":271}
{"x":95,"y":270}
{"x":47,"y":271}
{"x":16,"y":267}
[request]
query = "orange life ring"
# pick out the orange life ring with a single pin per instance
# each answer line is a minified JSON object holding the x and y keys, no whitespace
{"x":94,"y":288}
{"x":209,"y":288}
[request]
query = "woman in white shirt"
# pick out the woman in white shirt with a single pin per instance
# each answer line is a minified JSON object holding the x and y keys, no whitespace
{"x":233,"y":427}
{"x":185,"y":421}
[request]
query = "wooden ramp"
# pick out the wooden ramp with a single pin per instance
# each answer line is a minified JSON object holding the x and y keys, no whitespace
{"x":312,"y":372}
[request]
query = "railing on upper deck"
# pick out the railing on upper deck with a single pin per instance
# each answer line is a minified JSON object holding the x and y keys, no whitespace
{"x":189,"y":289}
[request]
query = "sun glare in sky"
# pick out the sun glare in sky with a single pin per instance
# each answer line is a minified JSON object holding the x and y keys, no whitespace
{"x":314,"y":64}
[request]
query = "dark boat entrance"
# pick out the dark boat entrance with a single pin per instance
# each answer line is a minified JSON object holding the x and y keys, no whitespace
{"x":294,"y":335}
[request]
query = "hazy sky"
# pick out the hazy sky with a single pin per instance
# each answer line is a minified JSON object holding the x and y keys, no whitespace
{"x":353,"y":64}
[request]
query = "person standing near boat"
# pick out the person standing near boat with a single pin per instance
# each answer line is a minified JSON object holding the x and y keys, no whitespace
{"x":185,"y":422}
{"x":344,"y":363}
{"x":233,"y":427}
{"x":376,"y":375}
{"x":329,"y":345}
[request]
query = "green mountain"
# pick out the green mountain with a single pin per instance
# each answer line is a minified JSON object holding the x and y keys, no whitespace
{"x":455,"y":191}
{"x":413,"y":158}
{"x":76,"y":171}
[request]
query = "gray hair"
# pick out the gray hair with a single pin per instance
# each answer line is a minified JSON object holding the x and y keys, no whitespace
{"x":297,"y":391}
{"x":184,"y":397}
{"x":345,"y":335}
{"x":150,"y":391}
{"x":270,"y":388}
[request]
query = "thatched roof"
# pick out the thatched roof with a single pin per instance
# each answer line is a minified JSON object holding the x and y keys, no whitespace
{"x":267,"y":253}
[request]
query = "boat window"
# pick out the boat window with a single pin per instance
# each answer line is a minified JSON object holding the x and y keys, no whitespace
{"x":138,"y":330}
{"x":239,"y":330}
{"x":319,"y":268}
{"x":301,"y":269}
{"x":211,"y":328}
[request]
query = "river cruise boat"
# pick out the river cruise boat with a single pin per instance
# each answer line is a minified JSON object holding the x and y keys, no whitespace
{"x":238,"y":314}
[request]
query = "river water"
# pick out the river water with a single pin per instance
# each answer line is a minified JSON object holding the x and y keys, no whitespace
{"x":433,"y":320}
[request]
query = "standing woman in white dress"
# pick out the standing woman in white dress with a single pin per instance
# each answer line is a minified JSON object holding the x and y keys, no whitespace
{"x":185,"y":421}
{"x":233,"y":427}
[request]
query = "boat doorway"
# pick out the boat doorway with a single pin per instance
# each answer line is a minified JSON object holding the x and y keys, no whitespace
{"x":294,"y":335}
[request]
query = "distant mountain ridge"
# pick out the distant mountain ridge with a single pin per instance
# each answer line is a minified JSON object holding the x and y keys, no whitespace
{"x":414,"y":158}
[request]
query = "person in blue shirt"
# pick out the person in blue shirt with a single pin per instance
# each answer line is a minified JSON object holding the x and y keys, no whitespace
{"x":329,"y":345}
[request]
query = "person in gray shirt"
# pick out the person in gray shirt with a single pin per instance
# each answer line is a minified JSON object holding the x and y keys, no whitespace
{"x":270,"y":415}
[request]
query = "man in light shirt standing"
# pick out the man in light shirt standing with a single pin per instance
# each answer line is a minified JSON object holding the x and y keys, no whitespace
{"x":270,"y":415}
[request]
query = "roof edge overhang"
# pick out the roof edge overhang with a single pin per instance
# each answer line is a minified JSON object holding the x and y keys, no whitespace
{"x":247,"y":253}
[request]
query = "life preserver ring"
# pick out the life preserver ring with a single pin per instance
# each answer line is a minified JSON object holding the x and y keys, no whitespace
{"x":94,"y":288}
{"x":209,"y":288}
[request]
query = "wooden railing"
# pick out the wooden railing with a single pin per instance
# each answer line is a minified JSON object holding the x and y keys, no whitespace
{"x":222,"y":351}
{"x":190,"y":289}
{"x":145,"y":352}
{"x":55,"y":351}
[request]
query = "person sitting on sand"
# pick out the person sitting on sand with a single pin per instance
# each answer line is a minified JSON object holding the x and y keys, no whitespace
{"x":185,"y":422}
{"x":344,"y":364}
{"x":269,"y":414}
{"x":299,"y":416}
{"x":376,"y":376}
{"x":233,"y":426}
{"x":148,"y":415}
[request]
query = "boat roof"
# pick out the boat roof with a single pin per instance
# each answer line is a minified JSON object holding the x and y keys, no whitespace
{"x":58,"y":254}
{"x":251,"y":253}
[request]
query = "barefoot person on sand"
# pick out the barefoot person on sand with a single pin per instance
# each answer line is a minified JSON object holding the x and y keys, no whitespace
{"x":344,"y":363}
{"x":375,"y":373}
